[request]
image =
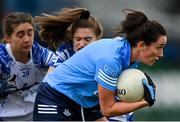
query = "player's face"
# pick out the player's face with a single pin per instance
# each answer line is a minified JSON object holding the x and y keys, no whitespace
{"x":21,"y":40}
{"x":82,"y":37}
{"x":153,"y":52}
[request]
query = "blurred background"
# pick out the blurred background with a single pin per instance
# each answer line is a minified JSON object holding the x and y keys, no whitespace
{"x":166,"y":73}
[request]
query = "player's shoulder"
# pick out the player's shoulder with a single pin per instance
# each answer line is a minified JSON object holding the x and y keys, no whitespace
{"x":110,"y":66}
{"x":66,"y":45}
{"x":4,"y":56}
{"x":36,"y":46}
{"x":3,"y":48}
{"x":37,"y":49}
{"x":3,"y":51}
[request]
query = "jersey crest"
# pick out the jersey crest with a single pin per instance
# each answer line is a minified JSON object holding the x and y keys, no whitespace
{"x":110,"y":71}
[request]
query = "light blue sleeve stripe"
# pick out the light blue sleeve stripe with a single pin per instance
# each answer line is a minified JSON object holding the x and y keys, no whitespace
{"x":108,"y":77}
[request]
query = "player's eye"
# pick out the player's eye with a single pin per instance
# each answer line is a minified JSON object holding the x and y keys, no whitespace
{"x":30,"y":32}
{"x":77,"y":39}
{"x":88,"y":39}
{"x":20,"y":34}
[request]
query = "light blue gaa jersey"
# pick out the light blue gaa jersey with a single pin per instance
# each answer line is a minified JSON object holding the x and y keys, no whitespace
{"x":100,"y":62}
{"x":20,"y":104}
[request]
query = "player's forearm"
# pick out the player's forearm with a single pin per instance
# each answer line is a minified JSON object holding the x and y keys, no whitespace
{"x":121,"y":108}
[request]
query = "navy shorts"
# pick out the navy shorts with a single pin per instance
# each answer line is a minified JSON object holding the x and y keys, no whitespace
{"x":51,"y":105}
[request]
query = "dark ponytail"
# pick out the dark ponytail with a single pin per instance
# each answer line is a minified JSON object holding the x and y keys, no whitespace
{"x":85,"y":14}
{"x":133,"y":20}
{"x":137,"y":26}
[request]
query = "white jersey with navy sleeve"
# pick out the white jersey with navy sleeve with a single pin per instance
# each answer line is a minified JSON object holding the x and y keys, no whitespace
{"x":99,"y":62}
{"x":64,"y":52}
{"x":20,"y":104}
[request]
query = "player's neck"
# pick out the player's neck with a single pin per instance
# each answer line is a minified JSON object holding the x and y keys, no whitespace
{"x":134,"y":55}
{"x":22,"y":57}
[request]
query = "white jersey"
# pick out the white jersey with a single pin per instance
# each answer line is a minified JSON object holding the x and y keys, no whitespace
{"x":28,"y":75}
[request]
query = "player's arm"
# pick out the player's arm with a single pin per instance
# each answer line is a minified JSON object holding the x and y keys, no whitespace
{"x":64,"y":52}
{"x":44,"y":56}
{"x":107,"y":72}
{"x":110,"y":107}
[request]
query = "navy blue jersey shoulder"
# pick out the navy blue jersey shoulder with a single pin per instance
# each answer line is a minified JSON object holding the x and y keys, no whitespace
{"x":40,"y":55}
{"x":5,"y":61}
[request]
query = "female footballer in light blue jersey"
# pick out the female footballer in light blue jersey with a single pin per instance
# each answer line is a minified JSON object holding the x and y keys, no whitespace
{"x":83,"y":31}
{"x":75,"y":89}
{"x":22,"y":66}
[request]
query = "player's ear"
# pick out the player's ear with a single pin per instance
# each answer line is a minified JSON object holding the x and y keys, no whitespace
{"x":6,"y":38}
{"x":140,"y":44}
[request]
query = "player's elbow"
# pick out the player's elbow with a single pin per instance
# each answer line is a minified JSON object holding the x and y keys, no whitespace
{"x":106,"y":112}
{"x":109,"y":112}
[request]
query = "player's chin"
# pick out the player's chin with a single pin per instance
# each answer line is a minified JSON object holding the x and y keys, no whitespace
{"x":79,"y":49}
{"x":26,"y":50}
{"x":150,"y":63}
